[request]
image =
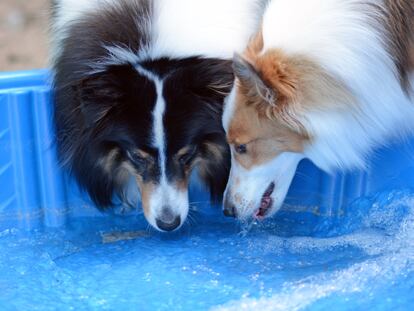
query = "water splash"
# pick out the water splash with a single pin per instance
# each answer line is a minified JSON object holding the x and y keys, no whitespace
{"x":388,"y":241}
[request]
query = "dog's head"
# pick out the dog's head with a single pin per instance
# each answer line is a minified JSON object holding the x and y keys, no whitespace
{"x":265,"y":118}
{"x":154,"y":122}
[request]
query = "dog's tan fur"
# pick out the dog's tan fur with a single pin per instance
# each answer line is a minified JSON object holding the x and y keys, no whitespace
{"x":265,"y":138}
{"x":270,"y":125}
{"x":182,"y":185}
{"x":146,"y":189}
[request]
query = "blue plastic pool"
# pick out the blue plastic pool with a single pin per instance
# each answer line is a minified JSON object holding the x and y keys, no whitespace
{"x":342,"y":242}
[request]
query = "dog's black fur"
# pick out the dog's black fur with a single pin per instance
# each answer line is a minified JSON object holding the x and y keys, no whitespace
{"x":102,"y":116}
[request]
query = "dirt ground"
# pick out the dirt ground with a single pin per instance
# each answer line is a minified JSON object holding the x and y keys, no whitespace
{"x":23,"y":34}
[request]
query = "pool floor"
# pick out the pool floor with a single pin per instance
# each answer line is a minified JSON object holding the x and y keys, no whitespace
{"x":362,"y":260}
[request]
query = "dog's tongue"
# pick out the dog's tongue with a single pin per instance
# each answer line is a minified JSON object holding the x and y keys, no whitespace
{"x":265,"y":203}
{"x":264,"y":207}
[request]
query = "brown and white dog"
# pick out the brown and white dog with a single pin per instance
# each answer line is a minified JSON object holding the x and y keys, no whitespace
{"x":326,"y":80}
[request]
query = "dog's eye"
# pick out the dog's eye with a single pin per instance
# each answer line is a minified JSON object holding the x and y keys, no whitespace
{"x":136,"y":159}
{"x":188,"y":157}
{"x":240,"y":149}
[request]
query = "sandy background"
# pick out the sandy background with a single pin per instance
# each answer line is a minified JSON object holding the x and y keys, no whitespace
{"x":23,"y":34}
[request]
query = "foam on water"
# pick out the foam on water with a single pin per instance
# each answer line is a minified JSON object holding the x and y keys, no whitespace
{"x":363,"y":259}
{"x":391,"y":263}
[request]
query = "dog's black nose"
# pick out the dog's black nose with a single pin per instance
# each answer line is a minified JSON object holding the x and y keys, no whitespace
{"x":229,"y":209}
{"x":167,"y":220}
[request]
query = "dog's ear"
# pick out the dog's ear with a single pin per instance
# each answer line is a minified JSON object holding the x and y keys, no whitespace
{"x":252,"y":82}
{"x":99,"y":171}
{"x":211,"y":79}
{"x":100,"y":93}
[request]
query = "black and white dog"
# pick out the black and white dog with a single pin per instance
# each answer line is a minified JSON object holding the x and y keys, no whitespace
{"x":139,"y":88}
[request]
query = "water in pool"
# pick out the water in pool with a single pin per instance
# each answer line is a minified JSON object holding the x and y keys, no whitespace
{"x":361,"y":260}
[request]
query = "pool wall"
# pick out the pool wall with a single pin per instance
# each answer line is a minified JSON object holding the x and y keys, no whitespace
{"x":35,"y":192}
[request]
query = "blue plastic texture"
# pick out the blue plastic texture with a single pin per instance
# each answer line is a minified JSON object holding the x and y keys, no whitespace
{"x":342,"y":241}
{"x":34,"y":191}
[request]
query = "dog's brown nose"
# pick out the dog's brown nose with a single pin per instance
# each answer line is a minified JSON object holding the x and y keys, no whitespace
{"x":229,"y":209}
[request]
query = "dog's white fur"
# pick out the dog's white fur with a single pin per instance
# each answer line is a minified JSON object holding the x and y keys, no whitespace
{"x":181,"y":28}
{"x":347,"y":41}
